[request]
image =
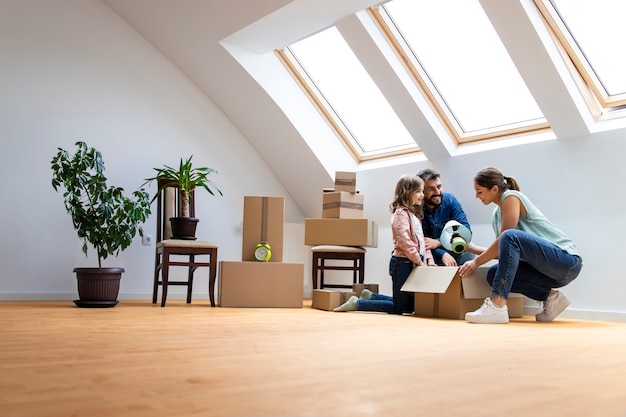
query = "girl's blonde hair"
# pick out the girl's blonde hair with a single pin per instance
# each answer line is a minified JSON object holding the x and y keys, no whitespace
{"x":405,"y":187}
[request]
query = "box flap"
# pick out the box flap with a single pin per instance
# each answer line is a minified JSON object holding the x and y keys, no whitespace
{"x":431,"y":279}
{"x":476,"y":285}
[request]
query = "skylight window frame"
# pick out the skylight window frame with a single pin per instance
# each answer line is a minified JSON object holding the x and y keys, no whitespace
{"x":601,"y":104}
{"x":326,"y":110}
{"x":421,"y":78}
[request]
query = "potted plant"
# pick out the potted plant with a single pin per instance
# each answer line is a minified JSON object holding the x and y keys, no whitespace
{"x":186,"y":178}
{"x":102,"y":216}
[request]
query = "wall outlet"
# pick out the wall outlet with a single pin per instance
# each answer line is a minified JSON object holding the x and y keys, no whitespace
{"x":146,"y":240}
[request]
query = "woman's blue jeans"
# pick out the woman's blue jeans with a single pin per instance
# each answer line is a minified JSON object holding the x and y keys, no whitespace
{"x":401,"y":302}
{"x":530,"y":265}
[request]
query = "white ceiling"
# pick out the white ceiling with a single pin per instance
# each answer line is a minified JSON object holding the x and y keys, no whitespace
{"x":188,"y":32}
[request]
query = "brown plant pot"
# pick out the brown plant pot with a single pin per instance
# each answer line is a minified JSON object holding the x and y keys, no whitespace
{"x":98,"y":287}
{"x":184,"y":227}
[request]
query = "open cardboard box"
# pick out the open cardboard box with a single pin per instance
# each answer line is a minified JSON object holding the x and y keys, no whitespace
{"x":441,"y":292}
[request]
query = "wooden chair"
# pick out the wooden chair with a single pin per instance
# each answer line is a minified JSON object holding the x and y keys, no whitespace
{"x":177,"y":252}
{"x":353,"y":254}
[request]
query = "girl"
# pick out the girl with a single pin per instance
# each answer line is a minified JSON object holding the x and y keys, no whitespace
{"x":534,"y":256}
{"x":409,"y":250}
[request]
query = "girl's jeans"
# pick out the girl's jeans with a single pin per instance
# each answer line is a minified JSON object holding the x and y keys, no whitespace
{"x":401,"y":302}
{"x":530,"y":265}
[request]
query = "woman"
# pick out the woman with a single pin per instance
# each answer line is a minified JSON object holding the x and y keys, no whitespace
{"x":534,"y":256}
{"x":409,"y":250}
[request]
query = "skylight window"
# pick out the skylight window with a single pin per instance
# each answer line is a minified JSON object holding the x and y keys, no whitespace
{"x":591,"y":32}
{"x":453,"y":54}
{"x":344,"y":92}
{"x":456,"y":57}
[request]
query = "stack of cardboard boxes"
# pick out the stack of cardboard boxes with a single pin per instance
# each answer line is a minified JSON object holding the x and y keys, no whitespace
{"x":341,"y":224}
{"x":251,"y":283}
{"x":342,"y":221}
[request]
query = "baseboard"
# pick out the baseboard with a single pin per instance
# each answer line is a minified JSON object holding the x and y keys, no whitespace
{"x":54,"y":296}
{"x":570,"y":313}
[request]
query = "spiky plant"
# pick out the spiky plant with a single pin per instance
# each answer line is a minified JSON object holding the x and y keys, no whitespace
{"x":186,"y":178}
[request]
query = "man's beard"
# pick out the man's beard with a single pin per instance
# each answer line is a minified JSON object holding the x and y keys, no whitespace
{"x":430,"y":203}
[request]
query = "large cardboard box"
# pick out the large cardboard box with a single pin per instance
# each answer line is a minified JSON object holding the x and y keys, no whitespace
{"x":345,"y":181}
{"x":343,"y":232}
{"x":342,"y":205}
{"x":441,"y":292}
{"x":330,"y":299}
{"x":263,"y":220}
{"x":261,"y":284}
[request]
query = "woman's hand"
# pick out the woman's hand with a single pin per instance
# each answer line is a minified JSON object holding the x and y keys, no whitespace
{"x":468,"y":268}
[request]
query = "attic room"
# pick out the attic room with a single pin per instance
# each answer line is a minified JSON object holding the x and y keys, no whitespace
{"x":149,"y":82}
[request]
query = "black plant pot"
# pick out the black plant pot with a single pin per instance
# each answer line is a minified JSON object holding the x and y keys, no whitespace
{"x":98,"y":287}
{"x":184,"y":227}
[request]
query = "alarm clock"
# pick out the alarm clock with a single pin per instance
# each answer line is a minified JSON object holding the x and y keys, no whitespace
{"x":262,"y":252}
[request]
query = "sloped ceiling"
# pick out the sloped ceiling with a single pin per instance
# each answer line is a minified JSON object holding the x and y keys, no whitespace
{"x":188,"y":33}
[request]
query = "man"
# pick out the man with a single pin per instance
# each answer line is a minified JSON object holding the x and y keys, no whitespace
{"x":439,"y":208}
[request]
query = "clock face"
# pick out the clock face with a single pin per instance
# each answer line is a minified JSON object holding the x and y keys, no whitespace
{"x":262,"y":254}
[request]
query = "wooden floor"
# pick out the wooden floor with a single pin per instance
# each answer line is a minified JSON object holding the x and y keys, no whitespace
{"x":193,"y":360}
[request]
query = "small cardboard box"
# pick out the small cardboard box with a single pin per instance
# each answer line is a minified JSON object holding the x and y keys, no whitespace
{"x":329,"y":299}
{"x":342,"y":205}
{"x":345,"y":181}
{"x":358,"y":288}
{"x":343,"y":232}
{"x":261,"y":284}
{"x":441,"y":292}
{"x":263,"y":220}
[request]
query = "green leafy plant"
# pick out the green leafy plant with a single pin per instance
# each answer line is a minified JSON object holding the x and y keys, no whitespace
{"x":102,"y":215}
{"x":186,"y":178}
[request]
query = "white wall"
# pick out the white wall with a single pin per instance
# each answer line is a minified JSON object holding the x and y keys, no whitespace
{"x":73,"y":70}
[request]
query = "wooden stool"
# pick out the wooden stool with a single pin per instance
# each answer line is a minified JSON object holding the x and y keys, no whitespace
{"x":323,"y":253}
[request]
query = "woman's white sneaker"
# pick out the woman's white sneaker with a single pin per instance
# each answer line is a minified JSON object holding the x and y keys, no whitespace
{"x":489,"y":313}
{"x":553,"y":306}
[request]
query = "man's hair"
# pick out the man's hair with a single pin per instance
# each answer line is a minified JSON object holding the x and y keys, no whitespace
{"x":428,"y":174}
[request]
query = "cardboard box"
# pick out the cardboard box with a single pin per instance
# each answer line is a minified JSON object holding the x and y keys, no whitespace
{"x":345,"y":181}
{"x":426,"y":304}
{"x":358,"y":288}
{"x":329,"y":299}
{"x":342,"y":205}
{"x":343,"y":232}
{"x":263,"y":220}
{"x":440,"y":292}
{"x":261,"y":284}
